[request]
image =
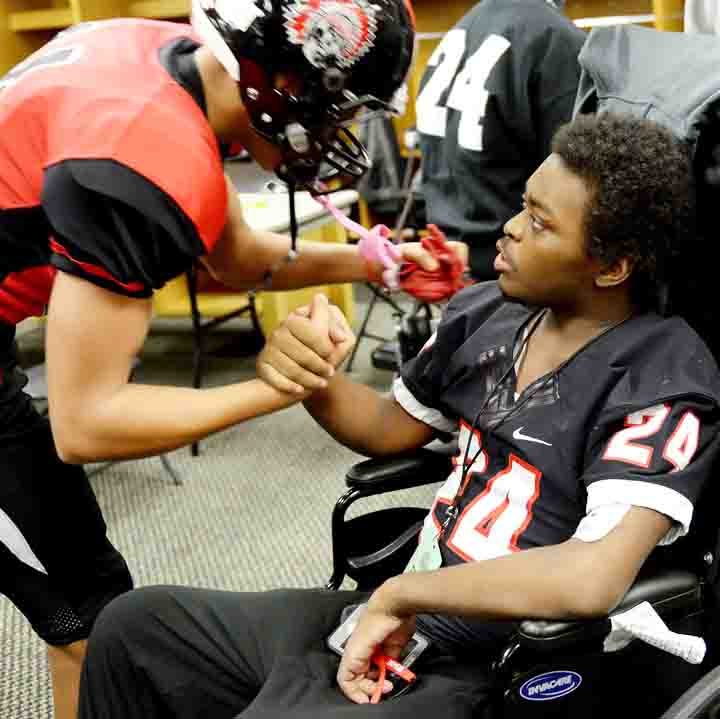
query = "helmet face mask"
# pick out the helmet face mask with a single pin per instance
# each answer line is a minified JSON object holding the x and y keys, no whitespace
{"x":348,"y":56}
{"x":338,"y":162}
{"x":311,"y":128}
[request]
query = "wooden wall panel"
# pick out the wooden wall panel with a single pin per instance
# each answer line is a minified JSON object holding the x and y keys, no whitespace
{"x":669,"y":14}
{"x":15,"y":46}
{"x":598,"y":8}
{"x":97,"y":9}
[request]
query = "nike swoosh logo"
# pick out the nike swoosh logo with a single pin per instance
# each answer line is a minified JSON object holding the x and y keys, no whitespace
{"x":517,"y":434}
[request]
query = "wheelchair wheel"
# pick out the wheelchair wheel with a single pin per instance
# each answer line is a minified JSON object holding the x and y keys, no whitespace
{"x":701,"y":701}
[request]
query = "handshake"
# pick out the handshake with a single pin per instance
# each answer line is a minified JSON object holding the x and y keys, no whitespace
{"x":302,"y":354}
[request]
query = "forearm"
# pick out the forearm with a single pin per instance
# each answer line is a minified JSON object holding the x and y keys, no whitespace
{"x":557,"y":582}
{"x":141,"y":420}
{"x":362,"y":419}
{"x":317,"y":263}
{"x":321,"y":263}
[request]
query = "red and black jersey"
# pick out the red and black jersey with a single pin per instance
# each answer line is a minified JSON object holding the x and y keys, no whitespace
{"x":632,"y":418}
{"x":109,"y":169}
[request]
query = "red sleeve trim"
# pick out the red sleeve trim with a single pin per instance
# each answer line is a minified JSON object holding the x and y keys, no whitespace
{"x":95,"y":270}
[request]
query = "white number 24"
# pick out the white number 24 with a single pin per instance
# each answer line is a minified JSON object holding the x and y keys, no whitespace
{"x":678,"y":450}
{"x":468,"y":94}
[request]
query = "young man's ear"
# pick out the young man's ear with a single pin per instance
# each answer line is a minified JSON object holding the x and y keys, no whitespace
{"x":615,"y":274}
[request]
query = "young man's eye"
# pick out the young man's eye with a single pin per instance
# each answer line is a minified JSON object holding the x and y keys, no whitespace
{"x":537,"y":224}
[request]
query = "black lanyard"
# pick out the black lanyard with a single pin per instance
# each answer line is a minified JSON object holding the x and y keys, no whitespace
{"x":452,"y":510}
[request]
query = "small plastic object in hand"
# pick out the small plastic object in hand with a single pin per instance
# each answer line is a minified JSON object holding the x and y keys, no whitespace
{"x":385,"y":664}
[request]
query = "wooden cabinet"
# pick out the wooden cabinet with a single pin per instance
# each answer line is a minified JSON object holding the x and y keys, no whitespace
{"x":15,"y":42}
{"x":25,"y":25}
{"x":603,"y":8}
{"x":669,"y":14}
{"x":160,"y":9}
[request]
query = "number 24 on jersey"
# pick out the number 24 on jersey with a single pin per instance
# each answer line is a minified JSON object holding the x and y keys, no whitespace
{"x":468,"y":94}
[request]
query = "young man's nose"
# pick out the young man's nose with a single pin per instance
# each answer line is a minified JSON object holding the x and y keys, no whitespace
{"x":513,"y":227}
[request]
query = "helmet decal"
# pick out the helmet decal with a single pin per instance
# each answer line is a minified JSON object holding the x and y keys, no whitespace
{"x":332,"y":33}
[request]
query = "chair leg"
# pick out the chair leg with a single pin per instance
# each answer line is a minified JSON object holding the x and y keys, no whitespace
{"x":254,"y":317}
{"x":170,"y":469}
{"x":163,"y":459}
{"x":362,"y":333}
{"x":197,"y":339}
{"x":89,"y":473}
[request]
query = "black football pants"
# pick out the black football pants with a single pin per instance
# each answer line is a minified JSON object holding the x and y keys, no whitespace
{"x":163,"y":652}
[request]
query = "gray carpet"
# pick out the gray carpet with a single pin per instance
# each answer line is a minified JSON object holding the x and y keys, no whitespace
{"x":253,"y":512}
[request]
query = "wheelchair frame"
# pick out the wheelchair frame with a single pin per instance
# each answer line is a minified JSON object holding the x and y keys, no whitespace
{"x":551,"y":669}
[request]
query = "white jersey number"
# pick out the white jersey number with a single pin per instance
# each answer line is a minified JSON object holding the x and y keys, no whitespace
{"x":678,"y":450}
{"x":468,"y":94}
{"x":492,"y":523}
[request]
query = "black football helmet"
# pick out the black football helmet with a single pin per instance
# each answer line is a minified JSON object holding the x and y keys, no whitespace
{"x":350,"y":55}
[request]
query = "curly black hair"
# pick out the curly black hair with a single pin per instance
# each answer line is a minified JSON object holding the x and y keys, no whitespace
{"x":642,"y":195}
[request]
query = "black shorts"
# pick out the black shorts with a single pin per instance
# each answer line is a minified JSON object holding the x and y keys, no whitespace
{"x":56,"y":563}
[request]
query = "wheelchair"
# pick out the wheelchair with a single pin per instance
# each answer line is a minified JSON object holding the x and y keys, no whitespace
{"x":554,"y":669}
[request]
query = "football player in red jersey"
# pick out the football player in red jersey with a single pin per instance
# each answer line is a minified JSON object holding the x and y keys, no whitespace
{"x":587,"y":419}
{"x":111,"y":183}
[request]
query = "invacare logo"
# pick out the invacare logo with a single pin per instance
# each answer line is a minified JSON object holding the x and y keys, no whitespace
{"x":551,"y":685}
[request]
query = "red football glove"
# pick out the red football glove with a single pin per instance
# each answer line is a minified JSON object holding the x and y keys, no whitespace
{"x":440,"y":284}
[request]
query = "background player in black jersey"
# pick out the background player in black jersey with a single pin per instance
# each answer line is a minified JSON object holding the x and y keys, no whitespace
{"x":587,"y":423}
{"x":111,"y":183}
{"x":494,"y":92}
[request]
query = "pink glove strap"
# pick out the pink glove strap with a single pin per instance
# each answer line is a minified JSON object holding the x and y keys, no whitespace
{"x":374,"y":244}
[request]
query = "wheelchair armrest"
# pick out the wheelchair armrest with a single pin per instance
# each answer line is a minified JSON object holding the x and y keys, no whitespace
{"x":671,"y":592}
{"x":386,"y":474}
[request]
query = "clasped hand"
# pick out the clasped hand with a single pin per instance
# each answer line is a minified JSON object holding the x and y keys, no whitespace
{"x":303,"y":353}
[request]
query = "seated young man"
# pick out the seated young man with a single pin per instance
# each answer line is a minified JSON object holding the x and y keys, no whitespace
{"x":587,"y":425}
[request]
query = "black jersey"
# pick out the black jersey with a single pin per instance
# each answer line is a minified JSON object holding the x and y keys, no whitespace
{"x":632,"y":418}
{"x":108,"y":166}
{"x":494,"y":92}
